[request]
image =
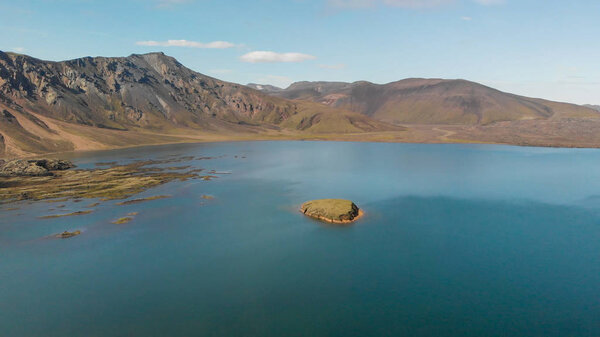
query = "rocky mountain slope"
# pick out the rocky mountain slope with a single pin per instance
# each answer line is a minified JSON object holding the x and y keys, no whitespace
{"x":432,"y":101}
{"x":88,"y":102}
{"x":102,"y":102}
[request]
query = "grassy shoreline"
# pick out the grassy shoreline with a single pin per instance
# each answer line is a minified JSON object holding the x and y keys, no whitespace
{"x":411,"y":136}
{"x":117,"y":182}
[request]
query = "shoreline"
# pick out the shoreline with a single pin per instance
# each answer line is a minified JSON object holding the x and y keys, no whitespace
{"x":361,"y":213}
{"x":299,"y":139}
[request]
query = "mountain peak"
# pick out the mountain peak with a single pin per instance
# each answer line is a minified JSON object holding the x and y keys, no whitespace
{"x":153,"y":53}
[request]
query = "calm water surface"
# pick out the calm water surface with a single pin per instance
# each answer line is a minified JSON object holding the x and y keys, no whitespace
{"x":458,"y":240}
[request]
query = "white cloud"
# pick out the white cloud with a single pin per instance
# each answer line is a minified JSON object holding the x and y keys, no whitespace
{"x":332,"y":66}
{"x":356,"y":4}
{"x":489,"y":2}
{"x":351,"y":3}
{"x":170,"y":3}
{"x":18,"y":49}
{"x":466,"y":18}
{"x":188,"y":44}
{"x":271,"y":57}
{"x":416,"y":3}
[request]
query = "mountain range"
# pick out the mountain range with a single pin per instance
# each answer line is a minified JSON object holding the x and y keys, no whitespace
{"x":108,"y":102}
{"x":91,"y":102}
{"x":429,"y":101}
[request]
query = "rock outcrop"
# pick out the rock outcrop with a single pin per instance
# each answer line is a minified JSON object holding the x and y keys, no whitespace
{"x":338,"y":211}
{"x":33,"y":168}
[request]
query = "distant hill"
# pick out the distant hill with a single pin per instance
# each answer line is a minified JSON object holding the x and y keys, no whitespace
{"x":264,"y":87}
{"x":595,"y":107}
{"x":87,"y":103}
{"x":432,"y":101}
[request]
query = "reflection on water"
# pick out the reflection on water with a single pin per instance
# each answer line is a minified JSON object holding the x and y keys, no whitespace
{"x":458,"y":240}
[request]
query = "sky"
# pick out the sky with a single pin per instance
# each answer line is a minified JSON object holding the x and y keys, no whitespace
{"x":539,"y":48}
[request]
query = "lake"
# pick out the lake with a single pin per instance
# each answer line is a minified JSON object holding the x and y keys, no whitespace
{"x":457,"y":240}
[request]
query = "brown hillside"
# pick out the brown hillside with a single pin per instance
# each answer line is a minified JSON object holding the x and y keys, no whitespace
{"x":90,"y":102}
{"x":432,"y":101}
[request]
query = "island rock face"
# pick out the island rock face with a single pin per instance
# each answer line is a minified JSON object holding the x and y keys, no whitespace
{"x":33,"y":168}
{"x":338,"y":211}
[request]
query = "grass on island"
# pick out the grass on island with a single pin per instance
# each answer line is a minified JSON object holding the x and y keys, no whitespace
{"x":66,"y":234}
{"x":135,"y":201}
{"x":331,"y":210}
{"x":63,"y":215}
{"x":122,"y":220}
{"x":110,"y":163}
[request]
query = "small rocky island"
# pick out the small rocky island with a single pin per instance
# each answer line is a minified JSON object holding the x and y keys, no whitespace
{"x":338,"y":211}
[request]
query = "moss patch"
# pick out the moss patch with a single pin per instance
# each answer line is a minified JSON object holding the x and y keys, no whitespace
{"x":63,"y":215}
{"x":122,"y":220}
{"x":135,"y":201}
{"x":118,"y":182}
{"x":66,"y":234}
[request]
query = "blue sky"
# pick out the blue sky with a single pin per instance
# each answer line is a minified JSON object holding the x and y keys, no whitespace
{"x":548,"y":49}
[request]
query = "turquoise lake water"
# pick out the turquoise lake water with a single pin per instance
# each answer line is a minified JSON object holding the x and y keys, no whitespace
{"x":457,"y":240}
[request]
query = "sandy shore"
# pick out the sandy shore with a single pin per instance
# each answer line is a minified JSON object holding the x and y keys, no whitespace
{"x":576,"y":134}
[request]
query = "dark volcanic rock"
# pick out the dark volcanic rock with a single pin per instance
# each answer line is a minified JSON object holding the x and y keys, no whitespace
{"x":21,"y":167}
{"x":55,"y":164}
{"x":33,"y":168}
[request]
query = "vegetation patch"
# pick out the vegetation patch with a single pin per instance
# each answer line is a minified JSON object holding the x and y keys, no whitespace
{"x":66,"y":234}
{"x":117,"y":182}
{"x":63,"y":215}
{"x":123,"y":220}
{"x":109,"y":163}
{"x":135,"y":201}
